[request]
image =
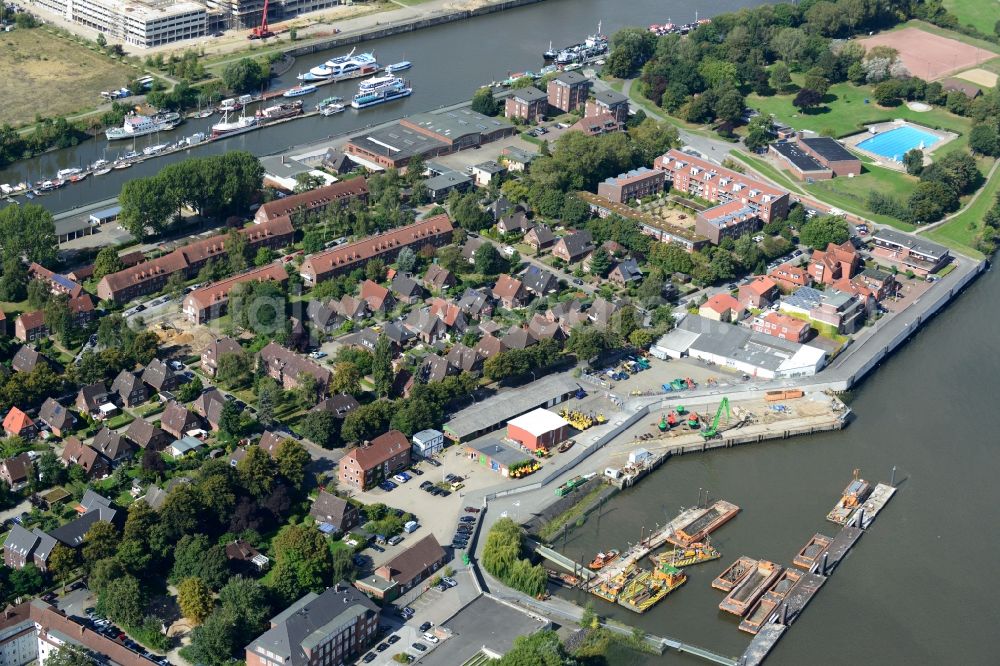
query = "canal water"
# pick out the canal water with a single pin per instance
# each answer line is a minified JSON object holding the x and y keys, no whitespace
{"x":920,"y":587}
{"x":449,"y":62}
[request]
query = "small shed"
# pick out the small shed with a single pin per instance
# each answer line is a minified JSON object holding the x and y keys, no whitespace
{"x":538,"y":429}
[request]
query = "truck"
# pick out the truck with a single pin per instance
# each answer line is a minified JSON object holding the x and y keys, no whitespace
{"x":410,"y":526}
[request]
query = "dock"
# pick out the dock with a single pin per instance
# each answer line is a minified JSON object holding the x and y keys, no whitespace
{"x":812,"y":551}
{"x":800,"y":596}
{"x":871,"y":507}
{"x":631,"y":558}
{"x":838,"y":550}
{"x":577,"y":569}
{"x":703,"y":523}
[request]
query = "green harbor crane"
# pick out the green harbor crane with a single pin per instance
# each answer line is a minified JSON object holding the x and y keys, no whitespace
{"x":713,"y":430}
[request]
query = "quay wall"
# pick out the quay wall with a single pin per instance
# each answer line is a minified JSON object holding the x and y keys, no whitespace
{"x":939,"y":302}
{"x":399,"y":27}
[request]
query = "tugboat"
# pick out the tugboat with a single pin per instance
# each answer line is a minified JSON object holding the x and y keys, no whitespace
{"x":604,"y":559}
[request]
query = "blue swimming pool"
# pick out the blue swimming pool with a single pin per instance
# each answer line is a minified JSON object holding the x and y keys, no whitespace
{"x":896,"y":142}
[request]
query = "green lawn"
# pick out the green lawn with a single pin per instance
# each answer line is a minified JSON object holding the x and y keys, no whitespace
{"x":960,"y":233}
{"x":981,"y":14}
{"x":846,"y":113}
{"x":854,"y":191}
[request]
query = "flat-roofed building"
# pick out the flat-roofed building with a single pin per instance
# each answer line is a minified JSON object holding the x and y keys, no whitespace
{"x":803,"y":165}
{"x":831,"y":154}
{"x":728,"y":220}
{"x":693,"y":175}
{"x":634,"y":184}
{"x":910,"y":252}
{"x":660,"y":229}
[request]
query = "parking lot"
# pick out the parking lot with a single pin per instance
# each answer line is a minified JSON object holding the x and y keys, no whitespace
{"x":78,"y":604}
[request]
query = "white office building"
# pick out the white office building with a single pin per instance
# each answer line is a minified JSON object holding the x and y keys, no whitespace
{"x":427,"y":443}
{"x":142,"y":24}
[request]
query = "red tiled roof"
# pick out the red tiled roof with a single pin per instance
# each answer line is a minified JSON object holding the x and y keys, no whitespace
{"x":16,"y":421}
{"x":354,"y":253}
{"x":761,"y":284}
{"x":507,"y":287}
{"x":219,"y":291}
{"x":321,"y":196}
{"x":374,"y":294}
{"x":786,"y":321}
{"x":32,"y":320}
{"x":80,"y":304}
{"x":722,"y":303}
{"x":381,"y":449}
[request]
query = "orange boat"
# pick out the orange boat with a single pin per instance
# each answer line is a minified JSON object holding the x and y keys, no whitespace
{"x":604,"y":559}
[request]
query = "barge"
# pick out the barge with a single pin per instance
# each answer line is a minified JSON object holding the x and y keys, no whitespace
{"x":856,"y":492}
{"x":603,"y":559}
{"x":611,"y":586}
{"x":736,"y":571}
{"x":812,"y":551}
{"x":751,"y":588}
{"x":761,"y":611}
{"x":704,"y":523}
{"x":874,"y":504}
{"x":696,"y":553}
{"x":649,"y":588}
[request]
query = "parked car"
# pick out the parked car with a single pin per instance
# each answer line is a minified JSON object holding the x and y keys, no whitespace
{"x":450,"y":582}
{"x":382,"y":647}
{"x":425,"y":626}
{"x":377,"y":548}
{"x":399,"y":478}
{"x":425,"y":485}
{"x":393,"y":541}
{"x":433,"y":462}
{"x":468,"y":519}
{"x":430,"y":637}
{"x":420,"y":647}
{"x":414,"y":470}
{"x":392,"y":640}
{"x":387,"y":485}
{"x":472,"y":509}
{"x":368,"y":658}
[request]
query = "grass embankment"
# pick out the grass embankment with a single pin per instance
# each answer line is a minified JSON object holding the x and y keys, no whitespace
{"x":575,"y":512}
{"x":39,"y":66}
{"x":960,"y":232}
{"x":980,"y":14}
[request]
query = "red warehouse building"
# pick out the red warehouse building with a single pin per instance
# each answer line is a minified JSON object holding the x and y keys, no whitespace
{"x":538,"y":429}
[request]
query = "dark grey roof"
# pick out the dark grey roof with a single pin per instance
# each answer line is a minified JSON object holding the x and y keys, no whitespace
{"x":20,"y":540}
{"x":340,"y":405}
{"x":538,"y":280}
{"x":397,"y":333}
{"x":158,"y":375}
{"x":311,"y":620}
{"x":447,"y":180}
{"x":470,"y":247}
{"x":94,"y":394}
{"x":55,"y":415}
{"x":142,"y":432}
{"x":500,"y":452}
{"x":46,"y":543}
{"x":432,"y":369}
{"x":610,"y":97}
{"x":529,"y":94}
{"x":406,"y":286}
{"x":799,"y":159}
{"x":518,"y":338}
{"x":473,"y":301}
{"x":26,"y":359}
{"x":125,"y":383}
{"x":570,"y":78}
{"x":829,"y":149}
{"x":912,"y":243}
{"x":397,"y":142}
{"x":629,"y":270}
{"x":111,"y":444}
{"x":330,"y":509}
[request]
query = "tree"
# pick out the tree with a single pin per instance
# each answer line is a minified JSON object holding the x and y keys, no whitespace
{"x":600,"y":262}
{"x":152,"y":463}
{"x":264,"y":256}
{"x":806,"y":99}
{"x":59,"y":318}
{"x":100,"y":542}
{"x":245,"y":76}
{"x":69,"y":654}
{"x":650,"y":139}
{"x":190,"y":390}
{"x":320,"y":427}
{"x":541,"y":648}
{"x":913,"y":160}
{"x":215,"y":642}
{"x":375,"y":269}
{"x":107,"y":262}
{"x":38,"y":294}
{"x":292,"y":460}
{"x":346,"y":378}
{"x":630,"y":49}
{"x":196,"y":557}
{"x":930,"y":201}
{"x":13,"y":284}
{"x":985,"y":139}
{"x":230,"y":422}
{"x":487,"y":260}
{"x":28,"y":232}
{"x":406,"y":260}
{"x":62,"y":562}
{"x":236,"y":251}
{"x":382,"y":366}
{"x":256,"y":472}
{"x":123,"y":601}
{"x":233,"y":370}
{"x":816,"y":80}
{"x":266,"y":400}
{"x":146,"y":204}
{"x":51,"y":471}
{"x":101,"y":40}
{"x":729,"y":106}
{"x":760,"y":131}
{"x":781,"y":79}
{"x":195,"y":599}
{"x":303,"y":561}
{"x":484,"y":103}
{"x":824,"y":229}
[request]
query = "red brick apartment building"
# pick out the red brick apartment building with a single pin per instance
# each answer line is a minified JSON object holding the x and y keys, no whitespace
{"x":607,"y":102}
{"x":365,"y":466}
{"x":435,"y":231}
{"x":634,"y":184}
{"x":693,"y":175}
{"x":528,"y":104}
{"x":210,"y":302}
{"x":568,"y":91}
{"x":782,"y":326}
{"x":151,"y":276}
{"x":335,"y":194}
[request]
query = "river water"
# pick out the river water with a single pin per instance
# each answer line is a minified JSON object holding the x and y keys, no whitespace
{"x":920,"y":587}
{"x":449,"y":62}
